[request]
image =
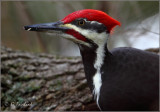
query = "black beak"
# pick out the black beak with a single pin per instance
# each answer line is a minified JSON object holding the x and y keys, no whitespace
{"x":56,"y":26}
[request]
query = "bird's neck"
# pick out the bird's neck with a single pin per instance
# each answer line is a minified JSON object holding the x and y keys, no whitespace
{"x":93,"y":59}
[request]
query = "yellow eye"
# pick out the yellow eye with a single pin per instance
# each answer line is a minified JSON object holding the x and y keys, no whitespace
{"x":82,"y":22}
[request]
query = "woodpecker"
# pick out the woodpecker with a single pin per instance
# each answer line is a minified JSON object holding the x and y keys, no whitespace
{"x":121,"y":79}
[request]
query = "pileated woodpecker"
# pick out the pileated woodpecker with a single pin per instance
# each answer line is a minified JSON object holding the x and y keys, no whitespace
{"x":121,"y":79}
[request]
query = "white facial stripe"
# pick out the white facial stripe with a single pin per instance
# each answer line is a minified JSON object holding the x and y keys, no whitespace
{"x":98,"y":38}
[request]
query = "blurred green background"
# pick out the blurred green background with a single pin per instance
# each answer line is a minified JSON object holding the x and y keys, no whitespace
{"x":131,"y":14}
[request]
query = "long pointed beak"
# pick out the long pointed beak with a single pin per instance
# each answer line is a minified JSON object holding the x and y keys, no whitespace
{"x":56,"y":26}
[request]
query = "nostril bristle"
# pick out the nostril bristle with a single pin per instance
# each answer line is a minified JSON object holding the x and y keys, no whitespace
{"x":27,"y":28}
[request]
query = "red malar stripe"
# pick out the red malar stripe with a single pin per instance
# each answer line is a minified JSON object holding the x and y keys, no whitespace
{"x":76,"y":34}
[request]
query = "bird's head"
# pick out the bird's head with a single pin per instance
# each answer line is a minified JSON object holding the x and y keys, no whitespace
{"x":86,"y":27}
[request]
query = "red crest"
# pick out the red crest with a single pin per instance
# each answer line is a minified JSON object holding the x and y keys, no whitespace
{"x":93,"y":15}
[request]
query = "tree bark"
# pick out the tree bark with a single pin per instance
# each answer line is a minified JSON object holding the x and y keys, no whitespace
{"x":42,"y":82}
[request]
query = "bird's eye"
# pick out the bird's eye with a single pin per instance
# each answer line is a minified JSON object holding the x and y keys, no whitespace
{"x":82,"y":22}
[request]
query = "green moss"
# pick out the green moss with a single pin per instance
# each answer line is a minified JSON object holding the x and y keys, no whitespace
{"x":58,"y":85}
{"x":32,"y":89}
{"x":24,"y":78}
{"x":20,"y":100}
